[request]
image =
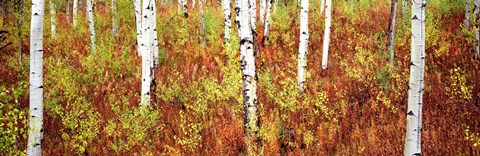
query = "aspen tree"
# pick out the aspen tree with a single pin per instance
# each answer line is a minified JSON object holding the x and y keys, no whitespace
{"x":193,"y":3}
{"x":147,"y":49}
{"x":228,"y":22}
{"x":247,"y":64}
{"x":35,"y":130}
{"x":138,"y":23}
{"x":391,"y":31}
{"x":91,"y":23}
{"x":268,"y":17}
{"x":114,"y":18}
{"x":263,"y":6}
{"x":183,"y":4}
{"x":303,"y":46}
{"x":155,"y":37}
{"x":67,"y":12}
{"x":467,"y":14}
{"x":404,"y":9}
{"x":322,"y":6}
{"x":52,"y":18}
{"x":75,"y":13}
{"x":326,"y":37}
{"x":416,"y":84}
{"x":203,"y":24}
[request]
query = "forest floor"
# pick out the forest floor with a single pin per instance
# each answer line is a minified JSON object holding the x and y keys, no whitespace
{"x":356,"y":107}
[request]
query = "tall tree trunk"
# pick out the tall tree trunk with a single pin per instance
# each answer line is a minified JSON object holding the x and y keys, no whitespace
{"x":322,"y":6}
{"x":114,"y":19}
{"x":404,"y":9}
{"x":303,"y":46}
{"x":467,"y":14}
{"x":91,"y":23}
{"x":35,"y":129}
{"x":477,"y":37}
{"x":416,"y":86}
{"x":75,"y":13}
{"x":193,"y":3}
{"x":391,"y":31}
{"x":147,"y":49}
{"x":155,"y":37}
{"x":238,"y":19}
{"x":247,"y":63}
{"x":203,"y":24}
{"x":20,"y":24}
{"x":228,"y":21}
{"x":268,"y":18}
{"x":263,"y":5}
{"x":52,"y":18}
{"x":67,"y":12}
{"x":326,"y":37}
{"x":138,"y":23}
{"x":184,"y":7}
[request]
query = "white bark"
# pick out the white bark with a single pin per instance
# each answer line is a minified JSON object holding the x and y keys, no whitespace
{"x":228,"y":22}
{"x":391,"y":31}
{"x":75,"y":14}
{"x":404,"y":9}
{"x":326,"y":37}
{"x":238,"y":18}
{"x":114,"y":18}
{"x":185,"y":9}
{"x":91,"y":23}
{"x":138,"y":23}
{"x":416,"y":86}
{"x":147,"y":49}
{"x":268,"y":18}
{"x":67,"y":12}
{"x":263,"y":6}
{"x":477,"y":37}
{"x":303,"y":46}
{"x":35,"y":130}
{"x":155,"y":36}
{"x":322,"y":6}
{"x":253,"y":15}
{"x":52,"y":18}
{"x":193,"y":3}
{"x":467,"y":14}
{"x":247,"y":63}
{"x":203,"y":24}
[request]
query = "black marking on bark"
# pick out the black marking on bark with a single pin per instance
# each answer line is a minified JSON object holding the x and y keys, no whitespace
{"x":417,"y":154}
{"x":40,"y":87}
{"x":410,"y":113}
{"x":36,"y":14}
{"x":185,"y":15}
{"x":41,"y":130}
{"x":414,"y":17}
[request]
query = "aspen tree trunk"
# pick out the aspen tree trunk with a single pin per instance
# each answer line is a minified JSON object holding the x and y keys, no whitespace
{"x":155,"y":37}
{"x":147,"y":46}
{"x":138,"y":23}
{"x":203,"y":24}
{"x":326,"y":37}
{"x":477,"y":37}
{"x":228,"y":22}
{"x":416,"y":86}
{"x":467,"y":14}
{"x":238,"y":18}
{"x":322,"y":6}
{"x":404,"y":9}
{"x":184,"y":6}
{"x":35,"y":130}
{"x":247,"y":63}
{"x":114,"y":19}
{"x":67,"y":12}
{"x":303,"y":46}
{"x":266,"y":31}
{"x":91,"y":23}
{"x":52,"y":18}
{"x":263,"y":6}
{"x":391,"y":32}
{"x":193,"y":3}
{"x":253,"y":15}
{"x":75,"y":13}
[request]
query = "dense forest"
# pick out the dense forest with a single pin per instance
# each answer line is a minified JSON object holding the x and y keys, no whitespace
{"x":239,"y":77}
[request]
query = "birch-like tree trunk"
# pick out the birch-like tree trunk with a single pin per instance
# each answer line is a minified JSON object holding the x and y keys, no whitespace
{"x":263,"y":6}
{"x":91,"y":23}
{"x":203,"y":24}
{"x":67,"y":12}
{"x":404,"y":9}
{"x":193,"y":3}
{"x":52,"y":18}
{"x":75,"y":13}
{"x":228,"y":21}
{"x":147,"y":49}
{"x":322,"y":6}
{"x":253,"y":15}
{"x":185,"y":9}
{"x":391,"y":31}
{"x":326,"y":37}
{"x":416,"y":86}
{"x":477,"y":27}
{"x":138,"y":23}
{"x":467,"y":14}
{"x":114,"y":18}
{"x":155,"y":37}
{"x":247,"y":63}
{"x":268,"y":18}
{"x":303,"y":46}
{"x":35,"y":130}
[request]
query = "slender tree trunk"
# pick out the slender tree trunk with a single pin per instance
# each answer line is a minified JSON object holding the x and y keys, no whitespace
{"x":238,"y":19}
{"x":477,"y":37}
{"x":247,"y":64}
{"x":268,"y":18}
{"x":138,"y":24}
{"x":404,"y":9}
{"x":391,"y":32}
{"x":67,"y":12}
{"x":185,"y":9}
{"x":416,"y":86}
{"x":114,"y":19}
{"x":303,"y":46}
{"x":228,"y":21}
{"x":203,"y":24}
{"x":91,"y":23}
{"x":467,"y":14}
{"x":326,"y":37}
{"x":147,"y":49}
{"x":155,"y":37}
{"x":322,"y":6}
{"x":20,"y":24}
{"x":35,"y":129}
{"x":52,"y":18}
{"x":253,"y":16}
{"x":75,"y":14}
{"x":263,"y":5}
{"x":193,"y":3}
